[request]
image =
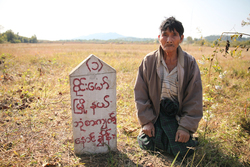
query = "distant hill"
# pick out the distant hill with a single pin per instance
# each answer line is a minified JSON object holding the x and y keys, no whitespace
{"x":136,"y":39}
{"x":224,"y":38}
{"x":101,"y":36}
{"x":111,"y":36}
{"x":114,"y":36}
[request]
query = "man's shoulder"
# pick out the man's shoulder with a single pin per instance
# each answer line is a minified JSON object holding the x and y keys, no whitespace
{"x":151,"y":55}
{"x":188,"y":57}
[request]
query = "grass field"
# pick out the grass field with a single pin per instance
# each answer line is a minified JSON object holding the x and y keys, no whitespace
{"x":35,"y":109}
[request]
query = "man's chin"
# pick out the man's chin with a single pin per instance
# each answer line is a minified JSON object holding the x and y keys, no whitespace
{"x":169,"y":49}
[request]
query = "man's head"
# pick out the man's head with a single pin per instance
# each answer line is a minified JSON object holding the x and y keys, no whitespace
{"x":172,"y":24}
{"x":171,"y":35}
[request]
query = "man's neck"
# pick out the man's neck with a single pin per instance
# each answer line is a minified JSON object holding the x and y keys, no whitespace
{"x":170,"y":56}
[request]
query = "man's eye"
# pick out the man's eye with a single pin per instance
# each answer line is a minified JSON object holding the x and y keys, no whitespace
{"x":164,"y":35}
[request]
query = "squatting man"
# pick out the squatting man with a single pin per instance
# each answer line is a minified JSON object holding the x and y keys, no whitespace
{"x":168,"y":94}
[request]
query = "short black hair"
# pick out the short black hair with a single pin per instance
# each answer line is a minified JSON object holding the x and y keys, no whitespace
{"x":172,"y":24}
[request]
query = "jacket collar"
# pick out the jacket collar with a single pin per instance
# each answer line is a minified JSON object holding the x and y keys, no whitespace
{"x":179,"y":52}
{"x":180,"y":56}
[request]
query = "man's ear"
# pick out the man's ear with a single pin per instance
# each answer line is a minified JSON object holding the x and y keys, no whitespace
{"x":182,"y":37}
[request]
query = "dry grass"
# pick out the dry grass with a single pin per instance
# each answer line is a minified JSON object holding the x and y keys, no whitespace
{"x":35,"y":113}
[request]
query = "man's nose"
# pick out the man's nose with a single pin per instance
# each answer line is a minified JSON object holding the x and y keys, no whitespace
{"x":169,"y":39}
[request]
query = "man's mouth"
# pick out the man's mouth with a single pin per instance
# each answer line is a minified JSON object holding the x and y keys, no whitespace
{"x":169,"y":45}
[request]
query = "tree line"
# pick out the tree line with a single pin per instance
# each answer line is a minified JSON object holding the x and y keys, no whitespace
{"x":214,"y":39}
{"x":10,"y":36}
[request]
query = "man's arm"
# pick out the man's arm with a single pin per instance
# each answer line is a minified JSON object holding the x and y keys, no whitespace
{"x":145,"y":111}
{"x":192,"y":111}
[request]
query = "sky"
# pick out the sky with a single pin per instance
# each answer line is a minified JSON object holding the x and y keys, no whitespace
{"x":68,"y":19}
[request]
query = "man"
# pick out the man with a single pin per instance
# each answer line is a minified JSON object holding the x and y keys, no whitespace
{"x":168,"y":94}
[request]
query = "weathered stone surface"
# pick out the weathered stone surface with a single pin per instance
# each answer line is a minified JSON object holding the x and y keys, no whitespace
{"x":93,"y":103}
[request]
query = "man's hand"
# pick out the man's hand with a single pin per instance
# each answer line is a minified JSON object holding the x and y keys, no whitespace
{"x":149,"y":129}
{"x":182,"y":136}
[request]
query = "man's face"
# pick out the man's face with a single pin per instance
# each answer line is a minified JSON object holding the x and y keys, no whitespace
{"x":170,"y":40}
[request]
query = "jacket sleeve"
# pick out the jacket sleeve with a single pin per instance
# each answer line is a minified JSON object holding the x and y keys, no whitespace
{"x":143,"y":103}
{"x":192,"y":110}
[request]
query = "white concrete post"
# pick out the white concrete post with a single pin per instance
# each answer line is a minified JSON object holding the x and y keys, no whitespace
{"x":93,"y":103}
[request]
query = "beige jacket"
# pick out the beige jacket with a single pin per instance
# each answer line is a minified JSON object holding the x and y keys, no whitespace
{"x":147,"y":90}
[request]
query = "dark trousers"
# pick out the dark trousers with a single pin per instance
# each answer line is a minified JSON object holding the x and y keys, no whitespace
{"x":164,"y":139}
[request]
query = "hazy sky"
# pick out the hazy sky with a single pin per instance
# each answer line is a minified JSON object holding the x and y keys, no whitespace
{"x":67,"y":19}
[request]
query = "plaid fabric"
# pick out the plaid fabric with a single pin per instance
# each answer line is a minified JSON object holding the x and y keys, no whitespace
{"x":164,"y":140}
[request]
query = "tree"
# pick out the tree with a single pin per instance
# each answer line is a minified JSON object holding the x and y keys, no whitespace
{"x":190,"y":40}
{"x":1,"y":39}
{"x":10,"y":36}
{"x":25,"y":40}
{"x":1,"y":36}
{"x":1,"y":27}
{"x":33,"y":39}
